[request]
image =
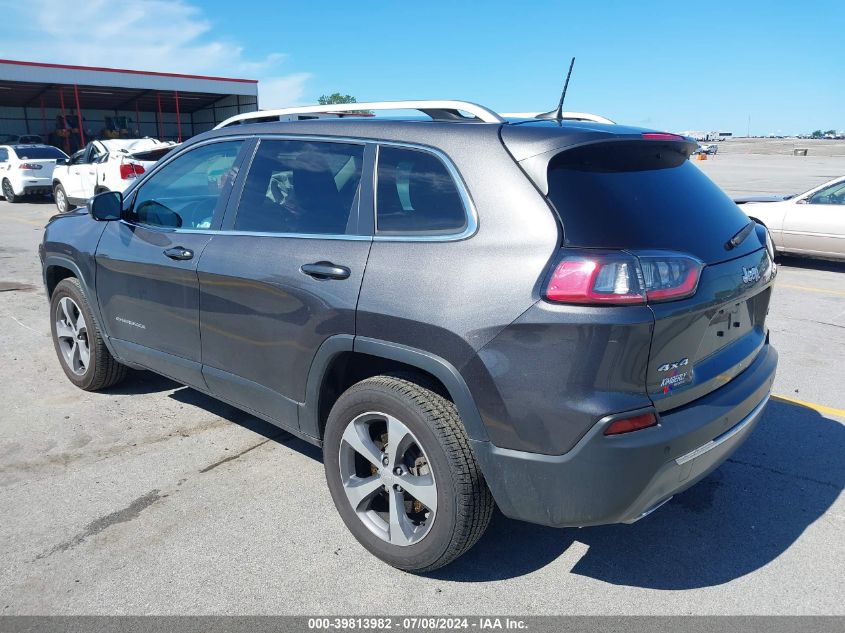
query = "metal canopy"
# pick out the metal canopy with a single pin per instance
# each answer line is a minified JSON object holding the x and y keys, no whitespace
{"x":30,"y":95}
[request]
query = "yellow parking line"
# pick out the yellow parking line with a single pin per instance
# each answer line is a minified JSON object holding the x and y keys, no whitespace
{"x":821,"y":408}
{"x":809,"y":289}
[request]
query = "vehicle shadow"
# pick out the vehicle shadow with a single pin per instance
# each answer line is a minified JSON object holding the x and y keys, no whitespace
{"x":743,"y":516}
{"x":738,"y":519}
{"x":139,"y":382}
{"x":186,"y":395}
{"x":142,"y":382}
{"x":46,"y":199}
{"x":795,"y":261}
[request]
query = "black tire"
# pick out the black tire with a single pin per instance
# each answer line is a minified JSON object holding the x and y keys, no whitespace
{"x":464,"y":503}
{"x":61,"y":199}
{"x":9,"y":193}
{"x":102,"y":370}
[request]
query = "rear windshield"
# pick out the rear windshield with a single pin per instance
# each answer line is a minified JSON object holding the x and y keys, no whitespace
{"x":643,"y":195}
{"x":38,"y":152}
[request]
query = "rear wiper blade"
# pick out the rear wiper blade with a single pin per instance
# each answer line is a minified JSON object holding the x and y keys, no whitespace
{"x":739,"y":238}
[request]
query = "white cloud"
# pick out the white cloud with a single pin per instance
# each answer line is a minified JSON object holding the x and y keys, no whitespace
{"x":160,"y":35}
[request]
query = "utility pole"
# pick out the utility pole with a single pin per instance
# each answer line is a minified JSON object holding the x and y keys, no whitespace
{"x":748,"y":130}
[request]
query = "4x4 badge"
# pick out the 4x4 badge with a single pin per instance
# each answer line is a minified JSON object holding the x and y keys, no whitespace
{"x":674,"y":365}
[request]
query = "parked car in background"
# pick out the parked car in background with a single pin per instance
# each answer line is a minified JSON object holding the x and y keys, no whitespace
{"x":21,"y":139}
{"x":709,"y":149}
{"x":810,"y":223}
{"x":464,"y":311}
{"x":104,"y":165}
{"x":27,"y":170}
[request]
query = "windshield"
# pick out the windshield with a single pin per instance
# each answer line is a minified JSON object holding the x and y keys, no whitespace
{"x":39,"y":152}
{"x":643,"y":195}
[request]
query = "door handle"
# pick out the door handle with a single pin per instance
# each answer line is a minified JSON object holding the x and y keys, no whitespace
{"x":325,"y":270}
{"x":179,"y":253}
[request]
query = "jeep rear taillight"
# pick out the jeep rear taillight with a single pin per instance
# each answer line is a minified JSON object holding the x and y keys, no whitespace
{"x":596,"y":278}
{"x":619,"y":278}
{"x":130,"y":170}
{"x":669,"y":277}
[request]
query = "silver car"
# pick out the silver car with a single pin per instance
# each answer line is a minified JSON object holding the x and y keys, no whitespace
{"x":811,"y":223}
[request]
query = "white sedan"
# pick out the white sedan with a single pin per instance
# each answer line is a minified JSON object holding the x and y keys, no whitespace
{"x":27,"y":169}
{"x":811,"y":223}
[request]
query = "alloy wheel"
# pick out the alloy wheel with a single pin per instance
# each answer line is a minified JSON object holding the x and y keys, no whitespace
{"x":72,"y":336}
{"x":387,"y":478}
{"x":61,"y":200}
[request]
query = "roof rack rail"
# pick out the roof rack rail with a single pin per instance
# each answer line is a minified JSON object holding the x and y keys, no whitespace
{"x":567,"y":116}
{"x":441,"y":110}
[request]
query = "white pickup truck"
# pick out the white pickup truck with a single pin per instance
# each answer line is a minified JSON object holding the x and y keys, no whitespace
{"x":107,"y":165}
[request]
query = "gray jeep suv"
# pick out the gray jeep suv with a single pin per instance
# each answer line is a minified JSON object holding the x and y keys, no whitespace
{"x":566,"y":319}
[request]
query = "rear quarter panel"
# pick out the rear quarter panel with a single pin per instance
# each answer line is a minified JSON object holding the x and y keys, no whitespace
{"x":451,"y":298}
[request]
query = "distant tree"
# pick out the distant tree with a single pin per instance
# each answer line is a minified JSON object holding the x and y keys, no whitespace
{"x":831,"y":132}
{"x":817,"y":134}
{"x":336,"y":97}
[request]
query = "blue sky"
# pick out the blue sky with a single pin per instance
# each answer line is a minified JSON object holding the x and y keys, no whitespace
{"x":669,"y":65}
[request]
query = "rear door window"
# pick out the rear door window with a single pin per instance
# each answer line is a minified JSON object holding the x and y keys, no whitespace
{"x":302,"y":187}
{"x":416,"y":195}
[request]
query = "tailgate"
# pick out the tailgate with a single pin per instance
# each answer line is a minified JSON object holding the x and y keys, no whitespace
{"x":642,"y":197}
{"x":702,"y":343}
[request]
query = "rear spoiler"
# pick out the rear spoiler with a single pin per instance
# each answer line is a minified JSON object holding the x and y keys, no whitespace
{"x":536,"y":166}
{"x":156,"y":153}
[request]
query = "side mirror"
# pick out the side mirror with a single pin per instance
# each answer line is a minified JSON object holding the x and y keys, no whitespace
{"x":106,"y":206}
{"x":61,"y":161}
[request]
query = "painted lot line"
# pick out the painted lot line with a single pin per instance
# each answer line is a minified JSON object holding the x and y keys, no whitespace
{"x":839,"y":293}
{"x":820,"y":408}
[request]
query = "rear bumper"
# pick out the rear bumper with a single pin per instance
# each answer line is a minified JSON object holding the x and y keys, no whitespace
{"x":622,"y":478}
{"x":29,"y":190}
{"x":37,"y":185}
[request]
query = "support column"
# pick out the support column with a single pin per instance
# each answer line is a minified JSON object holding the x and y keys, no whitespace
{"x":79,"y":115}
{"x":178,"y":118}
{"x":64,"y":120}
{"x":158,"y":117}
{"x":43,"y":118}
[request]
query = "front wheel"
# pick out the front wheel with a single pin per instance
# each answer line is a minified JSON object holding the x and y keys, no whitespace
{"x":9,"y":192}
{"x":402,"y":474}
{"x":79,"y":343}
{"x":62,"y":203}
